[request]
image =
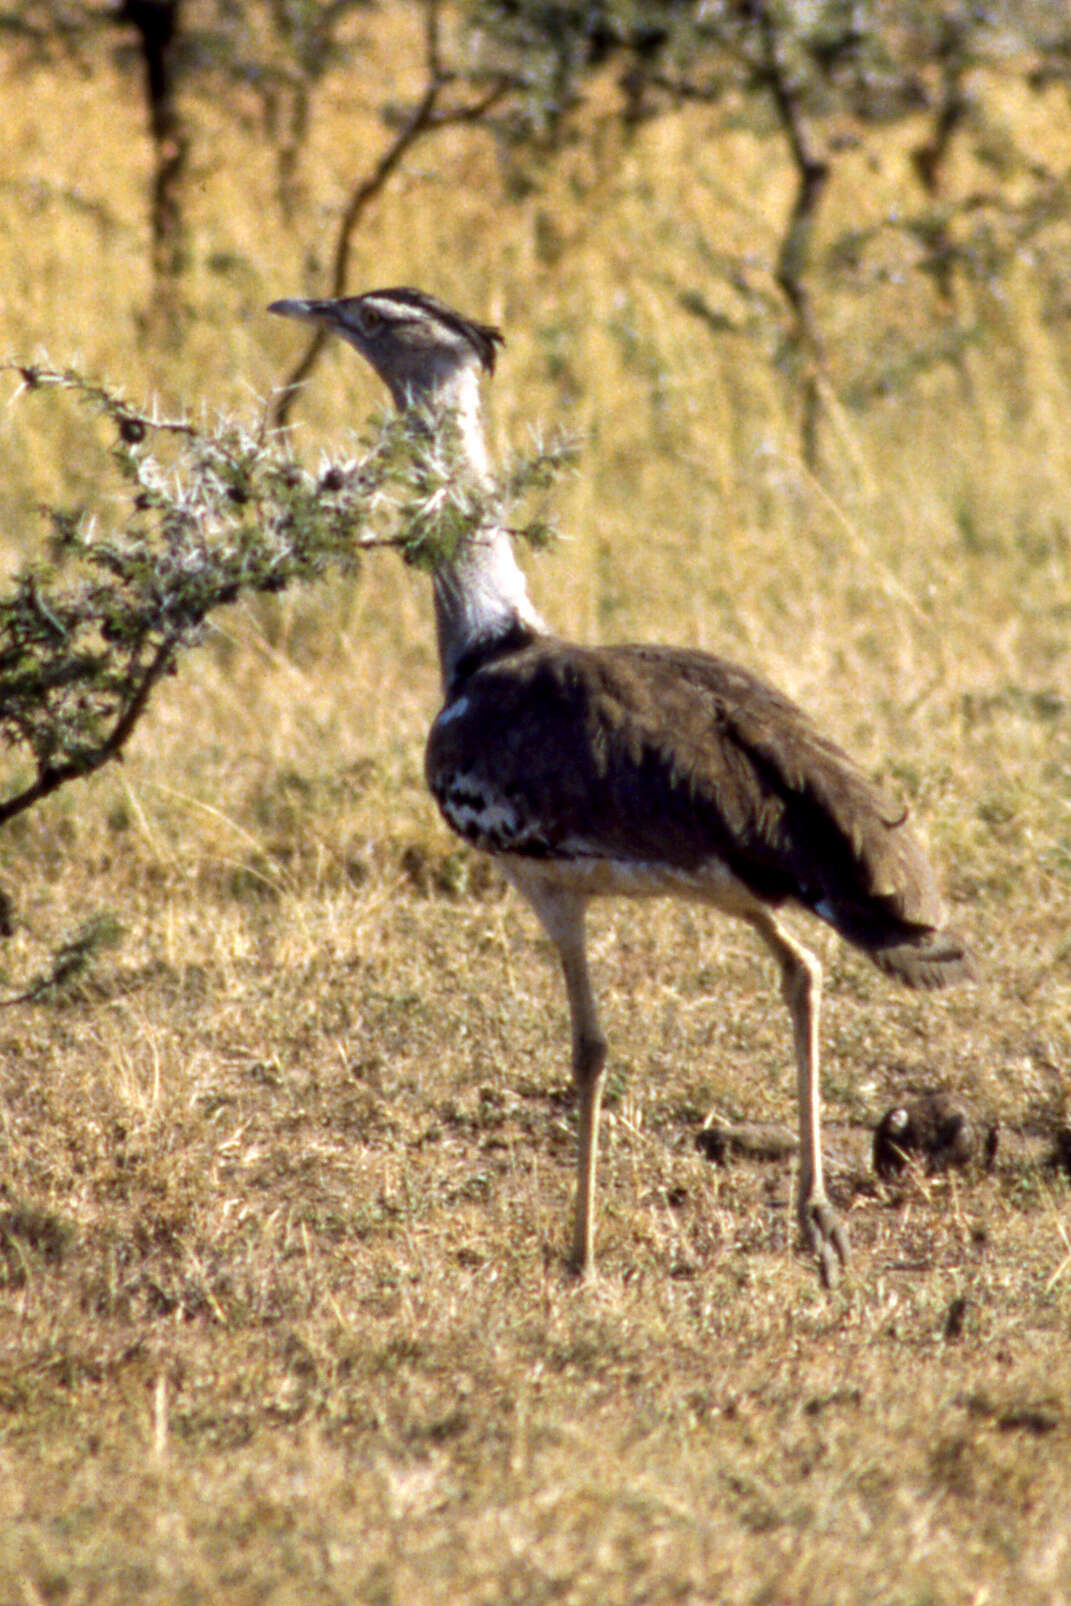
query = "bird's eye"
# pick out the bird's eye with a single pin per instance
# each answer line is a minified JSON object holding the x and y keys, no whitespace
{"x":370,"y":320}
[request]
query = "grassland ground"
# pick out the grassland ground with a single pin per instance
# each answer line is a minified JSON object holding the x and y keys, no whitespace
{"x":285,"y":1178}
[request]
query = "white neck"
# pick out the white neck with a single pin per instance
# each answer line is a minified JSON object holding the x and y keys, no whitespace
{"x":481,"y":594}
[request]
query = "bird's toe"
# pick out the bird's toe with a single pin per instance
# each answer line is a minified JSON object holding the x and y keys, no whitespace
{"x":825,"y":1238}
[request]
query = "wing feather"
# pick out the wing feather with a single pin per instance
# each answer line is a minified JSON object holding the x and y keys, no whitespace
{"x":673,"y":757}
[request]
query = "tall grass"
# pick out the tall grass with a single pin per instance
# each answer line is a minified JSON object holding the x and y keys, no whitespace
{"x":284,"y":1178}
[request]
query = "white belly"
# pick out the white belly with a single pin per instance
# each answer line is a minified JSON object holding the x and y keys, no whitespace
{"x":713,"y":882}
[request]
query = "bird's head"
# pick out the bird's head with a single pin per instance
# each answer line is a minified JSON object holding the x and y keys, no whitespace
{"x":421,"y":349}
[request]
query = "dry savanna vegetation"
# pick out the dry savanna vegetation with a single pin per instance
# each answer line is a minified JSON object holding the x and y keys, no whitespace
{"x":286,"y":1165}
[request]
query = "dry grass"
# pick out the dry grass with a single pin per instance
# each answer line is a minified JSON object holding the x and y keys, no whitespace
{"x":284,"y":1186}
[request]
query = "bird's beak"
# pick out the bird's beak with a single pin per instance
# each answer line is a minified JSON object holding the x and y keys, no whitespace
{"x":306,"y":311}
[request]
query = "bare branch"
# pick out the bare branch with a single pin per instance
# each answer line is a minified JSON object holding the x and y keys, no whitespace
{"x":425,"y":117}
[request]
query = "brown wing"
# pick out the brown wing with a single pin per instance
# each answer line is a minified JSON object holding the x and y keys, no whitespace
{"x":662,"y":756}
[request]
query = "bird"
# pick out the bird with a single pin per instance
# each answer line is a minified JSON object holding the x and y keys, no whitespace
{"x":639,"y":771}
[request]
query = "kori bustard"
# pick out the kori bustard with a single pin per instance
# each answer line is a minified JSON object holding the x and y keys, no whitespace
{"x":640,"y":770}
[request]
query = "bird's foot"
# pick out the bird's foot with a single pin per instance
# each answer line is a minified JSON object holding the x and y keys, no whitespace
{"x":825,"y":1238}
{"x":581,"y":1261}
{"x":580,"y":1273}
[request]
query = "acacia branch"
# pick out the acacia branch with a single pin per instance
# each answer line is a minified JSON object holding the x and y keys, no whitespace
{"x":199,"y":518}
{"x":51,"y":777}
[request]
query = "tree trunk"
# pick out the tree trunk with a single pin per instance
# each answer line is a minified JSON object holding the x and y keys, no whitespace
{"x":157,"y":24}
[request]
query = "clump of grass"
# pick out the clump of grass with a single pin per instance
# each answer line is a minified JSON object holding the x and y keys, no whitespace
{"x":72,"y":960}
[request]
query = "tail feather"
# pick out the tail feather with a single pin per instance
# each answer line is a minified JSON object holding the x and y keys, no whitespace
{"x":919,"y":955}
{"x":930,"y":959}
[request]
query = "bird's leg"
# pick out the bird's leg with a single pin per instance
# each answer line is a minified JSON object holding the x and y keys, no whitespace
{"x":801,"y":988}
{"x":562,"y":916}
{"x":589,"y":1058}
